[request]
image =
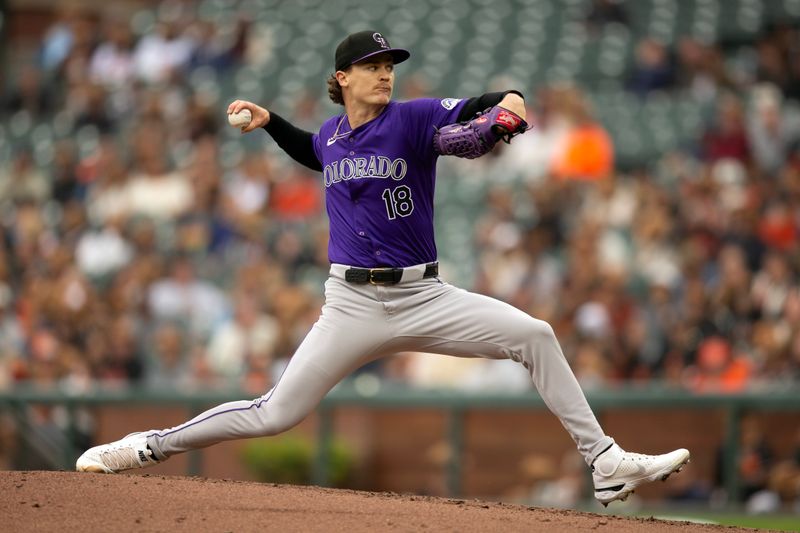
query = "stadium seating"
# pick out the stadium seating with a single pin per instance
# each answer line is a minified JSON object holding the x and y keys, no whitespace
{"x":459,"y":48}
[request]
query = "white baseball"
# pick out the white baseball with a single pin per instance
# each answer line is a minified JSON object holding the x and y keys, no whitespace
{"x":242,"y":118}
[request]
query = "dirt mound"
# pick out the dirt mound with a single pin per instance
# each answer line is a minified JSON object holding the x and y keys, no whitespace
{"x":69,"y":501}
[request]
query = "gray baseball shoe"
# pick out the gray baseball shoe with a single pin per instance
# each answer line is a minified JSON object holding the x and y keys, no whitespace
{"x":129,"y":452}
{"x":616,"y":473}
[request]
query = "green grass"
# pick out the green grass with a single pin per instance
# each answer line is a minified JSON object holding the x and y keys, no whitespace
{"x":775,"y":522}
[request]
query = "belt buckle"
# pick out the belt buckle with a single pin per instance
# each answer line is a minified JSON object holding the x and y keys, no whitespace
{"x":372,"y":280}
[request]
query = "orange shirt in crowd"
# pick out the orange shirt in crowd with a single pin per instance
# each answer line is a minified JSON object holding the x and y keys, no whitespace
{"x":735,"y":377}
{"x":297,"y":198}
{"x":719,"y":369}
{"x":588,"y":154}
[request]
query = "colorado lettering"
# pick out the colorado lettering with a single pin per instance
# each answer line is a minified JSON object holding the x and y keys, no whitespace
{"x":379,"y":167}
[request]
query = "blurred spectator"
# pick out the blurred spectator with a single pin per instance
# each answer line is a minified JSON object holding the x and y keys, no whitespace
{"x":772,"y":130}
{"x":777,"y":227}
{"x":587,"y":152}
{"x":199,"y":233}
{"x":66,"y":182}
{"x":30,"y":93}
{"x":107,"y":194}
{"x":203,"y":230}
{"x":249,"y":335}
{"x":431,"y":371}
{"x":655,"y":258}
{"x":772,"y":61}
{"x":167,"y":363}
{"x":90,"y":108}
{"x":102,"y":251}
{"x":504,"y":266}
{"x":68,"y":47}
{"x":156,"y":191}
{"x":215,"y":49}
{"x":701,"y":70}
{"x":71,"y":298}
{"x":195,"y":303}
{"x":59,"y":39}
{"x":771,"y":285}
{"x":593,"y":321}
{"x":590,"y":365}
{"x":783,"y":485}
{"x":22,"y":180}
{"x":297,"y":197}
{"x":201,"y":121}
{"x":652,"y":70}
{"x":727,"y":136}
{"x":647,"y":333}
{"x":246,"y":192}
{"x":296,"y":310}
{"x":112,"y":62}
{"x":123,"y":359}
{"x":755,"y":458}
{"x":161,"y":56}
{"x":128,"y":289}
{"x":610,"y":202}
{"x":731,"y":295}
{"x":12,"y":336}
{"x":719,"y":369}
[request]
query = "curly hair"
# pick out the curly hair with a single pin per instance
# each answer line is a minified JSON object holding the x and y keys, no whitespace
{"x":335,"y":90}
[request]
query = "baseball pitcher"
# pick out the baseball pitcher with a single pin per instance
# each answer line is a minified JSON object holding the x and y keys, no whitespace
{"x":384,"y":295}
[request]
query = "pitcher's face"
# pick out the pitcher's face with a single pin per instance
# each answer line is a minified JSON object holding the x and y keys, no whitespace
{"x":370,"y":81}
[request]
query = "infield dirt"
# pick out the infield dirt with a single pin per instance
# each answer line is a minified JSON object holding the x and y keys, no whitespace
{"x":69,"y":501}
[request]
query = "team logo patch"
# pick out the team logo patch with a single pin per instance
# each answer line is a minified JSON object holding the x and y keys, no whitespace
{"x":380,"y":40}
{"x":450,"y":103}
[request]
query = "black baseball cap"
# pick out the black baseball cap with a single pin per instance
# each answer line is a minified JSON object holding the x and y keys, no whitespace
{"x":361,"y":45}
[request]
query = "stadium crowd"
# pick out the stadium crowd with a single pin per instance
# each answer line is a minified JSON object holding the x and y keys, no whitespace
{"x":148,"y":257}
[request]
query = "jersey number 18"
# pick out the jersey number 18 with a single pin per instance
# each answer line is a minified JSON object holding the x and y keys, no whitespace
{"x":398,"y":202}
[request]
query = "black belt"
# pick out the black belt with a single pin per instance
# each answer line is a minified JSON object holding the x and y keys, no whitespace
{"x":384,"y":276}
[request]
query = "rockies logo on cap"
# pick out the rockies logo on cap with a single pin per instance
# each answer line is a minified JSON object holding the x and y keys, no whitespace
{"x":380,"y":40}
{"x":359,"y":46}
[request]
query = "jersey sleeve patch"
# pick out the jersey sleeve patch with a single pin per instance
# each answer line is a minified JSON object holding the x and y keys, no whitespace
{"x":450,"y":103}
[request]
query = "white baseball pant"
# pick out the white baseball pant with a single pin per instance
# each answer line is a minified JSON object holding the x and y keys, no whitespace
{"x":360,"y":323}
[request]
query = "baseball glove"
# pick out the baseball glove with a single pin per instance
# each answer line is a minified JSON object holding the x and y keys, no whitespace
{"x":478,"y":136}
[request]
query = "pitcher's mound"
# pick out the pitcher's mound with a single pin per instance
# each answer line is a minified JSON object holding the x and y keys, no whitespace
{"x":71,"y":501}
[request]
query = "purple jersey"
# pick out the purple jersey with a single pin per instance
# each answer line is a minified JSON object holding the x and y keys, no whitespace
{"x":379,"y":183}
